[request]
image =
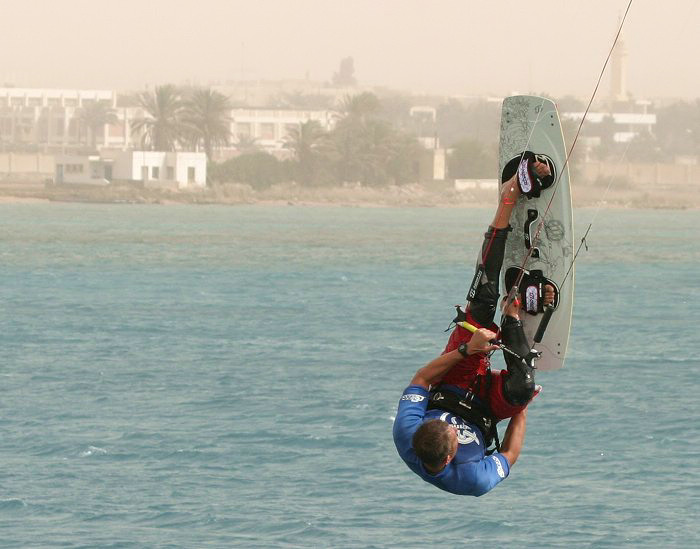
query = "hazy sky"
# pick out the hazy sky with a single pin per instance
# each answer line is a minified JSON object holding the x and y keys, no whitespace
{"x":450,"y":46}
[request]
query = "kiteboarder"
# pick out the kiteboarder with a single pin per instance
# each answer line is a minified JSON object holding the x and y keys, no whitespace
{"x":443,"y":434}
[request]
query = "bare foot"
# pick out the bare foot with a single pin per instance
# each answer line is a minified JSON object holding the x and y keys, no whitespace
{"x":514,"y":308}
{"x":510,"y":190}
{"x":541,"y":169}
{"x":549,"y":294}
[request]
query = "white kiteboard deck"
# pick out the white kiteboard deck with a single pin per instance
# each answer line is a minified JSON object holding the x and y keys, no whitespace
{"x":532,"y":123}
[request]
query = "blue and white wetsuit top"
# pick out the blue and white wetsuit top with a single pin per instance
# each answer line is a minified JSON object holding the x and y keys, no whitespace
{"x":471,"y":472}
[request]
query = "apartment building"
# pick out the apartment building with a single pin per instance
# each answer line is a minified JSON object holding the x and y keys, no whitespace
{"x":270,"y":127}
{"x":48,"y":117}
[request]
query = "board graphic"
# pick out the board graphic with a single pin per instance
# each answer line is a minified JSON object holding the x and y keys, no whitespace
{"x":532,"y":123}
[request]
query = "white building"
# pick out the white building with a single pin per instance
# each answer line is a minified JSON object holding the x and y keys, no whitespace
{"x":270,"y":127}
{"x":152,"y":168}
{"x":81,"y":169}
{"x":51,"y":119}
{"x":628,"y":125}
{"x":47,"y":117}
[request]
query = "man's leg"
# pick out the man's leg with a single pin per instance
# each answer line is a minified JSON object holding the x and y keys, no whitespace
{"x":485,"y":300}
{"x":519,"y":384}
{"x":484,"y":303}
{"x":511,"y":390}
{"x":483,"y":306}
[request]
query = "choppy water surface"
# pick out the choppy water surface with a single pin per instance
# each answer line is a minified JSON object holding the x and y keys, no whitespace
{"x":227,"y":376}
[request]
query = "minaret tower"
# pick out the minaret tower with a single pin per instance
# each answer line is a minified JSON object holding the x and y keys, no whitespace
{"x":618,"y":72}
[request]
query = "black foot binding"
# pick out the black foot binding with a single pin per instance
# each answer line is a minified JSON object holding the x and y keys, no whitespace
{"x":519,"y":386}
{"x":531,"y":288}
{"x":531,"y":185}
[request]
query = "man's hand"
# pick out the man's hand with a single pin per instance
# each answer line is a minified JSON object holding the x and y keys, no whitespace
{"x":481,"y":342}
{"x":435,"y":370}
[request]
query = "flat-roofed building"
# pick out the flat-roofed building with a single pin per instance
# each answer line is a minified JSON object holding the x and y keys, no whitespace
{"x":81,"y":170}
{"x":269,"y":128}
{"x":48,"y":117}
{"x":152,"y":168}
{"x":627,"y":125}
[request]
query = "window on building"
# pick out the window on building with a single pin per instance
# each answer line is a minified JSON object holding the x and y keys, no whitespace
{"x":170,"y":173}
{"x":243,"y":129}
{"x":43,"y":128}
{"x":289,"y":128}
{"x":115,"y":130}
{"x":190,"y":174}
{"x":155,"y":172}
{"x":267,"y":131}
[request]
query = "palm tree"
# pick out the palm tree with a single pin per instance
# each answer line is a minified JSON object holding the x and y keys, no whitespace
{"x":95,"y":116}
{"x":161,"y":128}
{"x":361,"y":106}
{"x":304,"y":141}
{"x":207,"y":115}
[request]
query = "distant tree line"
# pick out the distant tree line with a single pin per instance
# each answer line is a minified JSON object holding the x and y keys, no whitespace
{"x":174,"y":118}
{"x":374,"y":140}
{"x":362,"y":147}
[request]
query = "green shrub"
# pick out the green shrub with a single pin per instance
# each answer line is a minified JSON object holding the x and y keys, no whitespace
{"x":258,"y":169}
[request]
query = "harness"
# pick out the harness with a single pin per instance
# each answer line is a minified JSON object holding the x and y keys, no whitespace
{"x":470,"y":410}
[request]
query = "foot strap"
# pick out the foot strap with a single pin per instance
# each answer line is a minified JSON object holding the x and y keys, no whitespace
{"x":531,"y":288}
{"x":531,"y":185}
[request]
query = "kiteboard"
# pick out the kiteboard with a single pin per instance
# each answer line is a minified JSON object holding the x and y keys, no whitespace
{"x":530,"y":123}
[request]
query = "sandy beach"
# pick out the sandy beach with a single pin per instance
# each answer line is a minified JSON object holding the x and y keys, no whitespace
{"x":440,"y":194}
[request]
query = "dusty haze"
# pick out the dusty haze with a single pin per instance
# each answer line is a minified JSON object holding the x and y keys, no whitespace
{"x":470,"y":47}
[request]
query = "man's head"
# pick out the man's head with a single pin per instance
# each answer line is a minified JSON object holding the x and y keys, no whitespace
{"x":435,"y":443}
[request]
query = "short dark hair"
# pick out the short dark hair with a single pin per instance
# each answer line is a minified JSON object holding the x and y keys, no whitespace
{"x":433,"y":442}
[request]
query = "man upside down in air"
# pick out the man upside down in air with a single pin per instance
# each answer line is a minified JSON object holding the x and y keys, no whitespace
{"x":447,"y":416}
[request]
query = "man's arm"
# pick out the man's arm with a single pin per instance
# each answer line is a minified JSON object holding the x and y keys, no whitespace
{"x":434,"y":371}
{"x":515,"y":436}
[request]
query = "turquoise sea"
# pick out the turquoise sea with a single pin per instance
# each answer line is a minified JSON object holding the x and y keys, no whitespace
{"x":203,"y":376}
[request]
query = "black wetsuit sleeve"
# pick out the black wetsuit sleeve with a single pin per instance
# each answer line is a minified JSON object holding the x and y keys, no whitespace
{"x":484,"y":304}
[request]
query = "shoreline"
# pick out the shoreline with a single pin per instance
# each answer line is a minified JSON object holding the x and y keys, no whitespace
{"x":412,"y":195}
